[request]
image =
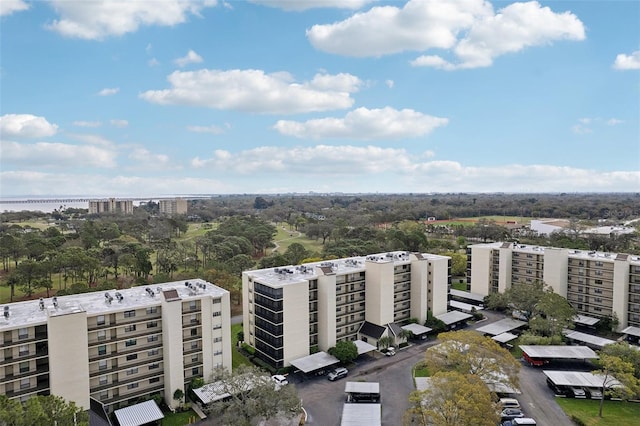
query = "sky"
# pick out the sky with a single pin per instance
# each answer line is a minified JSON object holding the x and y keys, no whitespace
{"x":164,"y":97}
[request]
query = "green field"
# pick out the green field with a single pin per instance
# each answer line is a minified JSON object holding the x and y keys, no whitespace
{"x":285,"y":237}
{"x":613,"y":412}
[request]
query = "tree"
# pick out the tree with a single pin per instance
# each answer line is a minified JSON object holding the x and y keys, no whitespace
{"x":469,"y":352}
{"x":551,"y":315}
{"x":253,"y":397}
{"x":385,"y":341}
{"x":452,"y":399}
{"x":524,"y":297}
{"x":458,"y":263}
{"x":41,"y":410}
{"x":345,"y":350}
{"x":618,"y":378}
{"x":295,"y":253}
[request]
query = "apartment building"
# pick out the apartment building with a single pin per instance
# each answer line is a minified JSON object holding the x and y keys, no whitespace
{"x":111,"y":205}
{"x":173,"y":206}
{"x":117,"y":346}
{"x":597,"y":284}
{"x":290,"y":311}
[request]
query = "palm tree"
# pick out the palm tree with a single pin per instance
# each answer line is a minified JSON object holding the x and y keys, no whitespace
{"x":385,"y":341}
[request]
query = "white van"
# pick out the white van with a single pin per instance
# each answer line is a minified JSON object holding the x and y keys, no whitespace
{"x":509,"y":403}
{"x":523,"y":421}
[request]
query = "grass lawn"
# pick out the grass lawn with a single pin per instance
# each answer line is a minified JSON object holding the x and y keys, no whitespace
{"x":285,"y":237}
{"x":180,"y":419}
{"x":237,"y":358}
{"x":613,"y":412}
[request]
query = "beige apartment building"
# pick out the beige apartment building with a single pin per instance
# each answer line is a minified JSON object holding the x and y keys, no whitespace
{"x":289,"y":311}
{"x":597,"y":284}
{"x":111,"y":205}
{"x":173,"y":206}
{"x":115,"y":347}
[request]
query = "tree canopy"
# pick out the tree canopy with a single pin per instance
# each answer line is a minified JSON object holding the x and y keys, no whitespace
{"x":345,"y":351}
{"x":41,"y":410}
{"x":452,"y":399}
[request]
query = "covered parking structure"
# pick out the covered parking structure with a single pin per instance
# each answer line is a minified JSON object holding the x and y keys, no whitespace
{"x":632,"y":334}
{"x":364,"y":347}
{"x":463,"y":306}
{"x":454,"y":319}
{"x":504,"y":325}
{"x":586,"y":322}
{"x":583,"y":379}
{"x":539,"y":355}
{"x":418,"y":331}
{"x":315,"y":363}
{"x":505,"y":338}
{"x":361,"y":415}
{"x":362,"y":391}
{"x":140,"y":414}
{"x":587,"y":339}
{"x":467,"y":297}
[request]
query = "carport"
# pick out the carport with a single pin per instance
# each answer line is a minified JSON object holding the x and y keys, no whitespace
{"x":576,"y":378}
{"x":211,"y":392}
{"x":505,"y":338}
{"x":140,"y":414}
{"x":541,"y":354}
{"x":361,"y":415}
{"x":467,"y":297}
{"x":586,"y":321}
{"x":633,"y":334}
{"x":589,"y":339}
{"x":504,"y":325}
{"x":419,"y":331}
{"x":364,"y":347}
{"x":362,"y":391}
{"x":464,"y":307}
{"x":454,"y":318}
{"x":315,"y":363}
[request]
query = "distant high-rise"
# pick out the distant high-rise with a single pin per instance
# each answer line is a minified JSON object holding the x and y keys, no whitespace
{"x":173,"y":206}
{"x":111,"y":205}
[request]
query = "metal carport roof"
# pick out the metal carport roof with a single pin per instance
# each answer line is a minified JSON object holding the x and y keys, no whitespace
{"x":416,"y":329}
{"x":361,"y":415}
{"x":585,"y":320}
{"x":453,"y":317}
{"x":634,"y":331}
{"x":462,"y":306}
{"x":314,"y":362}
{"x":139,"y":414}
{"x":599,"y":342}
{"x":502,"y":326}
{"x":466,"y":295}
{"x":504,"y":337}
{"x":575,"y":378}
{"x":362,"y":387}
{"x":559,"y":351}
{"x":364,"y":347}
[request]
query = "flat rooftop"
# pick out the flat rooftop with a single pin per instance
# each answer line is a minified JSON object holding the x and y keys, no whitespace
{"x":283,"y":275}
{"x":559,"y":351}
{"x":501,"y":326}
{"x":29,"y":313}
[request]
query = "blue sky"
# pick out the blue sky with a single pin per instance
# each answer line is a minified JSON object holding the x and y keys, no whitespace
{"x":139,"y":98}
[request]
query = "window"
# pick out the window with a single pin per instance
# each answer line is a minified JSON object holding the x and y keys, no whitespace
{"x":154,"y":380}
{"x":216,"y":301}
{"x":24,"y":350}
{"x":102,"y":365}
{"x":102,"y":335}
{"x":217,"y":339}
{"x":195,"y":371}
{"x":132,"y":385}
{"x":217,"y":326}
{"x":154,"y":366}
{"x":152,"y":310}
{"x":102,"y":350}
{"x":132,"y":357}
{"x":132,"y":371}
{"x":103,"y":380}
{"x":130,"y":328}
{"x":192,"y":305}
{"x":194,"y":345}
{"x":23,"y":333}
{"x":217,"y":313}
{"x":131,"y":342}
{"x":217,"y":353}
{"x":24,"y":367}
{"x":194,"y":319}
{"x":153,"y":352}
{"x":104,"y":395}
{"x":194,"y":358}
{"x":194,"y":332}
{"x":129,"y":314}
{"x":152,"y":324}
{"x":25,"y":383}
{"x":100,"y":320}
{"x":153,"y":338}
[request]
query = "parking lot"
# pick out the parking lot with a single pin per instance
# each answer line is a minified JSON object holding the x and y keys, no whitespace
{"x":324,"y":399}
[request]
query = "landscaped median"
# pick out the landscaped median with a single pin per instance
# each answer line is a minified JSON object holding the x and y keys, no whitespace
{"x":585,"y":412}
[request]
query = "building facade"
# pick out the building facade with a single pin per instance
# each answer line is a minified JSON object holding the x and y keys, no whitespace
{"x":288,"y":312}
{"x":111,"y":205}
{"x":115,"y":347}
{"x":173,"y":207}
{"x":595,"y":283}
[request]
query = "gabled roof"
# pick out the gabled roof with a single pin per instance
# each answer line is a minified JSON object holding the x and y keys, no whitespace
{"x":394,"y":328}
{"x":372,"y":330}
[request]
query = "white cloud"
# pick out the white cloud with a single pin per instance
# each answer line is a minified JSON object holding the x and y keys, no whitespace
{"x":26,"y":126}
{"x":143,"y":156}
{"x":628,"y":62}
{"x":92,"y":139}
{"x":119,"y":123}
{"x":581,"y":129}
{"x":365,"y":124}
{"x":390,"y":84}
{"x":108,"y":91}
{"x":190,"y":58}
{"x":7,"y":7}
{"x":255,"y":91}
{"x":153,"y":62}
{"x":585,"y":120}
{"x":98,"y":19}
{"x":92,"y":124}
{"x":56,"y":155}
{"x":299,"y":5}
{"x":614,"y":122}
{"x":470,"y":30}
{"x":214,"y":130}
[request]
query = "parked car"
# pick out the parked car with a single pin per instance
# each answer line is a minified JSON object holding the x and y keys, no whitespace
{"x":577,"y":392}
{"x":558,"y":390}
{"x":391,"y":351}
{"x":593,"y":393}
{"x":280,"y":380}
{"x":523,"y":421}
{"x":509,"y":403}
{"x":511,"y":413}
{"x":338,"y":373}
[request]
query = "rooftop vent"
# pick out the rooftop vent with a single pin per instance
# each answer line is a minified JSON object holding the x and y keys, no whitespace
{"x":41,"y":304}
{"x":119,"y":296}
{"x":108,"y":297}
{"x":55,"y":302}
{"x":150,"y":292}
{"x":6,"y":312}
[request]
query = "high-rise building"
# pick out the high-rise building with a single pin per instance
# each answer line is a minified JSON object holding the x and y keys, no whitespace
{"x":596,"y":283}
{"x":117,"y":346}
{"x":173,"y":206}
{"x":111,"y":205}
{"x":290,"y":311}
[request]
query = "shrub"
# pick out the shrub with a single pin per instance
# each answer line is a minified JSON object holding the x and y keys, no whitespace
{"x":248,"y":349}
